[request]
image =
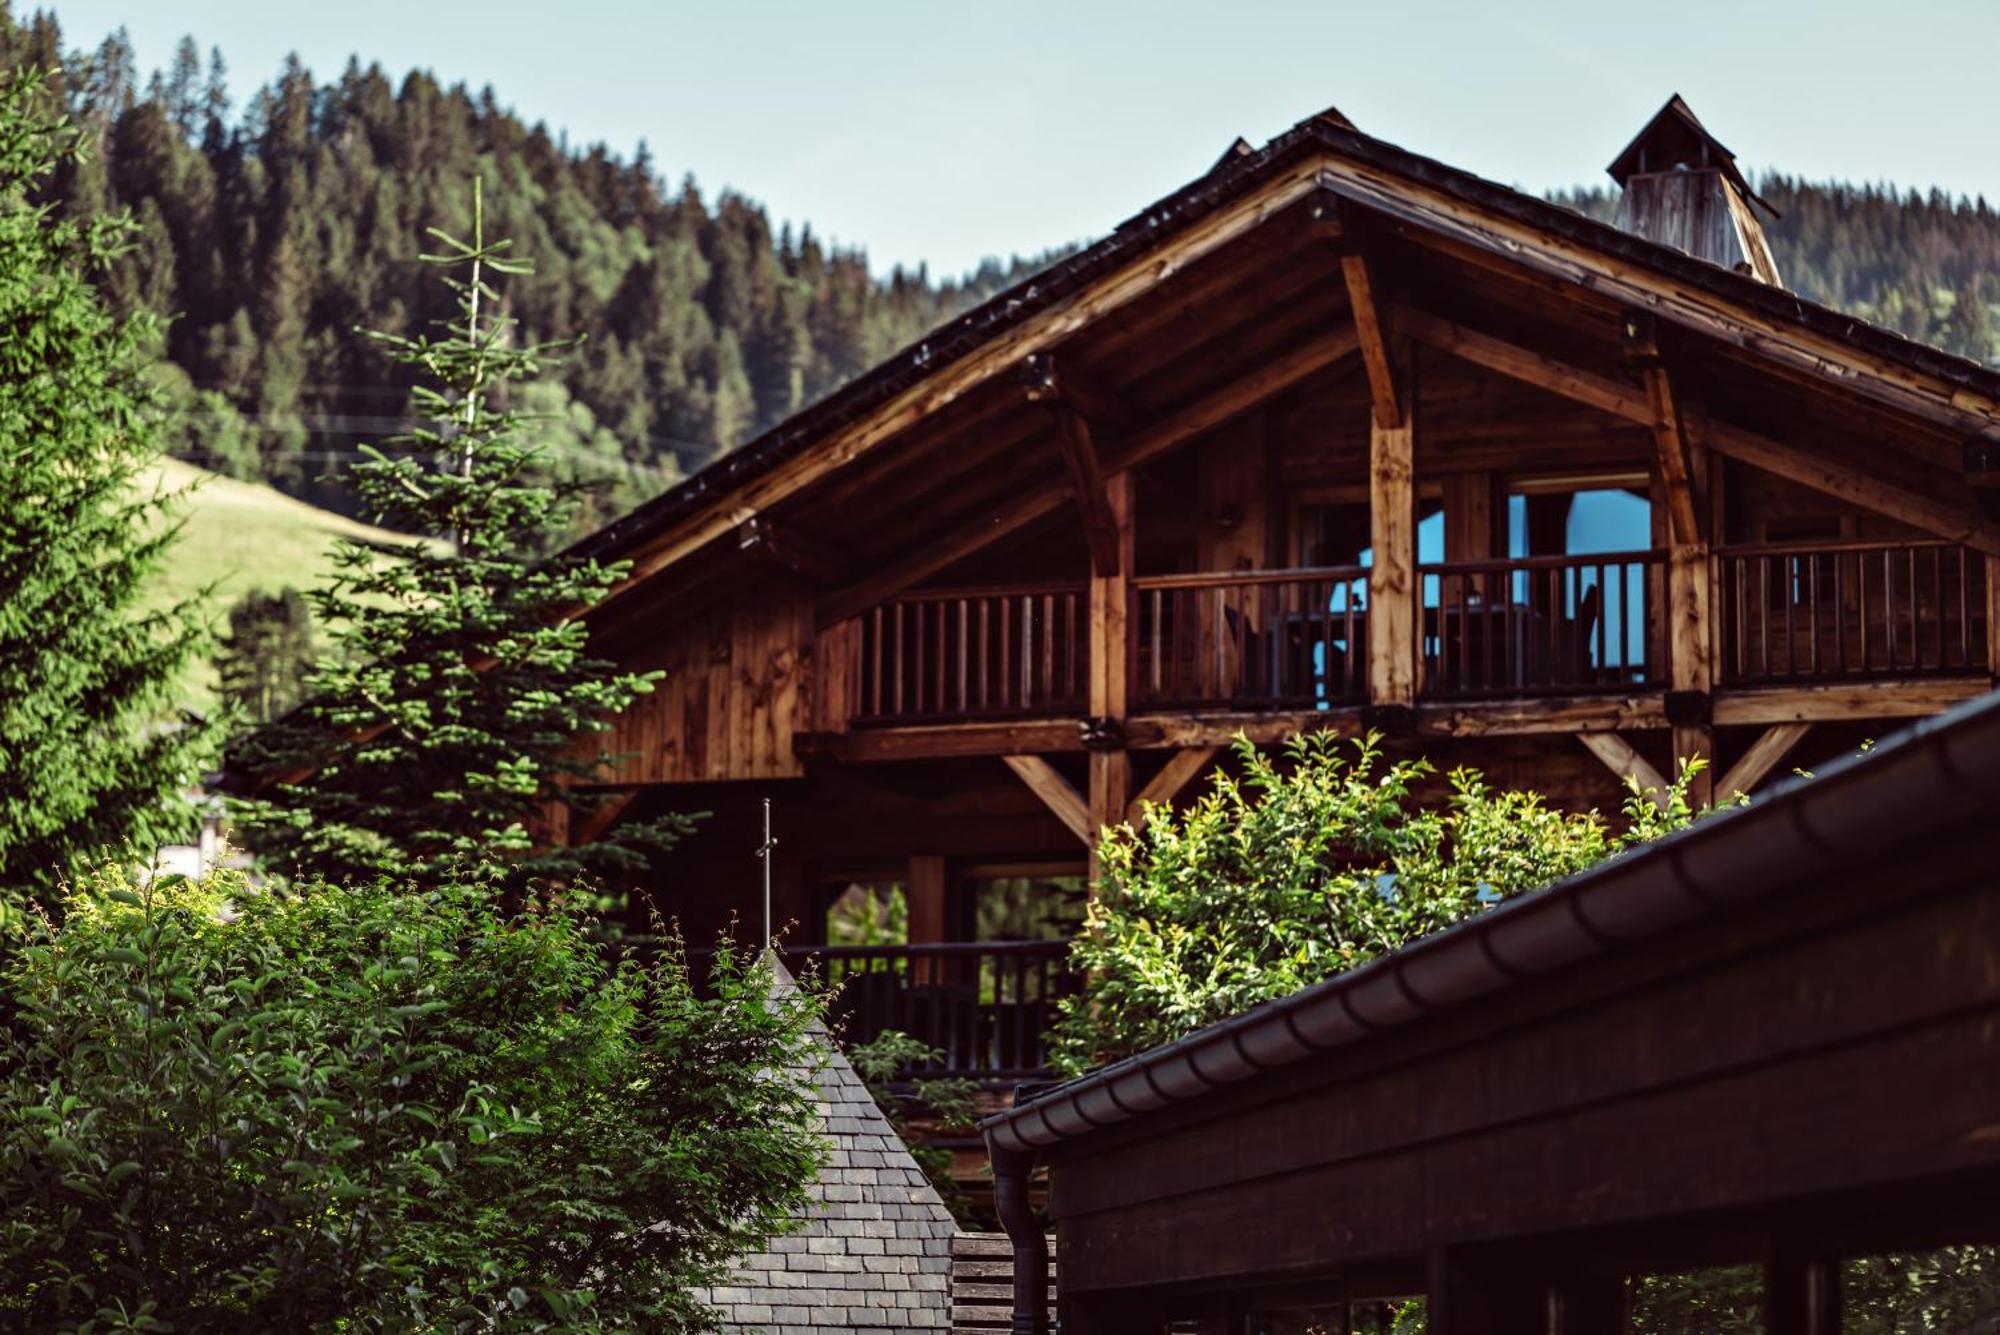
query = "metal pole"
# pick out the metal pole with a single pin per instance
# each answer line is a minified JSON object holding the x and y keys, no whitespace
{"x":764,"y":853}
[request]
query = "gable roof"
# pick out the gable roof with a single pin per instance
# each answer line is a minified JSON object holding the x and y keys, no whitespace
{"x":1363,"y":169}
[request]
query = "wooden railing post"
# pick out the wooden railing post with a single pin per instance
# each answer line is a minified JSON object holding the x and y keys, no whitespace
{"x":1691,"y":660}
{"x":1992,"y":616}
{"x":1111,"y":653}
{"x":1392,"y":578}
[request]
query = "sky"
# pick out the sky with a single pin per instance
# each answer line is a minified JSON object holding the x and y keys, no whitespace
{"x":945,"y":132}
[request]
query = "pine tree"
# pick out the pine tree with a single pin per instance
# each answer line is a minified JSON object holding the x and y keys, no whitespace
{"x":264,"y":663}
{"x":91,"y":761}
{"x":448,"y":721}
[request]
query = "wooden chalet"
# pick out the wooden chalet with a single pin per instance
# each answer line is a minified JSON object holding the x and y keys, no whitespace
{"x":1336,"y":437}
{"x":1767,"y":1047}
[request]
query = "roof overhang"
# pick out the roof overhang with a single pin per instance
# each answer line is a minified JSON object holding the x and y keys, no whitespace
{"x":1243,"y":193}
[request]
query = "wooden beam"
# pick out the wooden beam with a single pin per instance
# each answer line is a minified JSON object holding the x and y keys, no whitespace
{"x":1385,"y":398}
{"x":788,"y":549}
{"x":1470,"y":533}
{"x":1845,"y":702}
{"x":941,"y":740}
{"x":1588,"y":274}
{"x":1057,"y":795}
{"x":1054,"y":377}
{"x":1048,"y":328}
{"x":1578,"y":714}
{"x":1957,"y":523}
{"x":1181,"y":769}
{"x":1993,"y":616}
{"x":1086,"y":484}
{"x":1176,"y":428}
{"x":1156,"y":731}
{"x":1619,"y":757}
{"x":1671,"y":455}
{"x":1392,"y":577}
{"x":1761,"y":758}
{"x":1110,"y":598}
{"x":1110,"y":680}
{"x":1075,"y":441}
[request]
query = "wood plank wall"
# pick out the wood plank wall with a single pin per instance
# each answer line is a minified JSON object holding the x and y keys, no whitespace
{"x":736,"y":691}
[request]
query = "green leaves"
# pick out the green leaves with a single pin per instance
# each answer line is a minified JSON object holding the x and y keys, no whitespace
{"x":1301,"y":866}
{"x":92,"y":754}
{"x":381,"y":1107}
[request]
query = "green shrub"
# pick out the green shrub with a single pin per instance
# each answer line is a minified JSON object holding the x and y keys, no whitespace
{"x":1308,"y":865}
{"x":232,"y":1110}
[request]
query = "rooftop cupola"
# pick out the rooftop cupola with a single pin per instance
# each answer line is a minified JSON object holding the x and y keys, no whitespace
{"x":1682,"y":188}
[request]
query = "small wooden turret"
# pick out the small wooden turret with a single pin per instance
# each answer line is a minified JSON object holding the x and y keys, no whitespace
{"x":1682,"y":188}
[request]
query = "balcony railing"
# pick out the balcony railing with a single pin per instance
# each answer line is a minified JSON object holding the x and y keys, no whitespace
{"x":973,"y":653}
{"x":1540,"y":625}
{"x":1852,"y":610}
{"x":1268,"y":639}
{"x":985,"y":1005}
{"x":1497,"y":629}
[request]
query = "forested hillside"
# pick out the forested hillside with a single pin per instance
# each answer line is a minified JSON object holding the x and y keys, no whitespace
{"x":274,"y":223}
{"x":1926,"y":265}
{"x":273,"y":228}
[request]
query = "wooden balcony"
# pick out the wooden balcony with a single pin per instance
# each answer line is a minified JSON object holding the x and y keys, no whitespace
{"x":1537,"y":626}
{"x":1251,"y":640}
{"x":1880,"y":611}
{"x":985,"y":1006}
{"x":1529,"y":644}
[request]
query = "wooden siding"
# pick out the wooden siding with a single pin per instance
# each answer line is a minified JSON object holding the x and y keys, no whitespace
{"x":736,"y":692}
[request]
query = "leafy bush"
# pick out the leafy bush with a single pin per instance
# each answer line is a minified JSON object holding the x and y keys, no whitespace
{"x":1306,"y":866}
{"x":231,"y":1110}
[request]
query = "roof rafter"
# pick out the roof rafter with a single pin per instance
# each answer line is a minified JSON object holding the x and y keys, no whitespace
{"x":1076,"y":402}
{"x":1804,"y":467}
{"x":1211,"y":410}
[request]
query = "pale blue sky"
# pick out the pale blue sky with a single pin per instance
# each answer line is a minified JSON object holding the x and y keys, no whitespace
{"x":945,"y":132}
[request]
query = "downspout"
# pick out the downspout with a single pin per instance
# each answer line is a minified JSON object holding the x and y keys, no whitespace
{"x":1031,"y":1246}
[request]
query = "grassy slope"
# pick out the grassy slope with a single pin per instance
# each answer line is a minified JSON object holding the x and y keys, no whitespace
{"x":240,"y":536}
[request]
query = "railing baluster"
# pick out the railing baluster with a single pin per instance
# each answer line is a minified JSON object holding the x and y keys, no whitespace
{"x":1069,"y":648}
{"x":1049,"y":648}
{"x":896,"y":692}
{"x":962,"y":651}
{"x":1964,"y":611}
{"x":1840,"y":612}
{"x":1889,"y":617}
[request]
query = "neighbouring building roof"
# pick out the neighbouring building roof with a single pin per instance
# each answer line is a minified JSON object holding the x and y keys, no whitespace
{"x":875,"y":1253}
{"x":1931,"y":777}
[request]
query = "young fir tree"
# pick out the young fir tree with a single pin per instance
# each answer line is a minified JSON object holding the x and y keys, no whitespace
{"x":94,"y":758}
{"x":457,"y":705}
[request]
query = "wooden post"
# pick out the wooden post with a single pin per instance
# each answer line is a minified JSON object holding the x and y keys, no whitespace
{"x":1470,"y":531}
{"x":1993,"y":617}
{"x":1690,"y":657}
{"x":1681,"y":469}
{"x":1110,"y":672}
{"x":1392,"y":579}
{"x":923,"y":895}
